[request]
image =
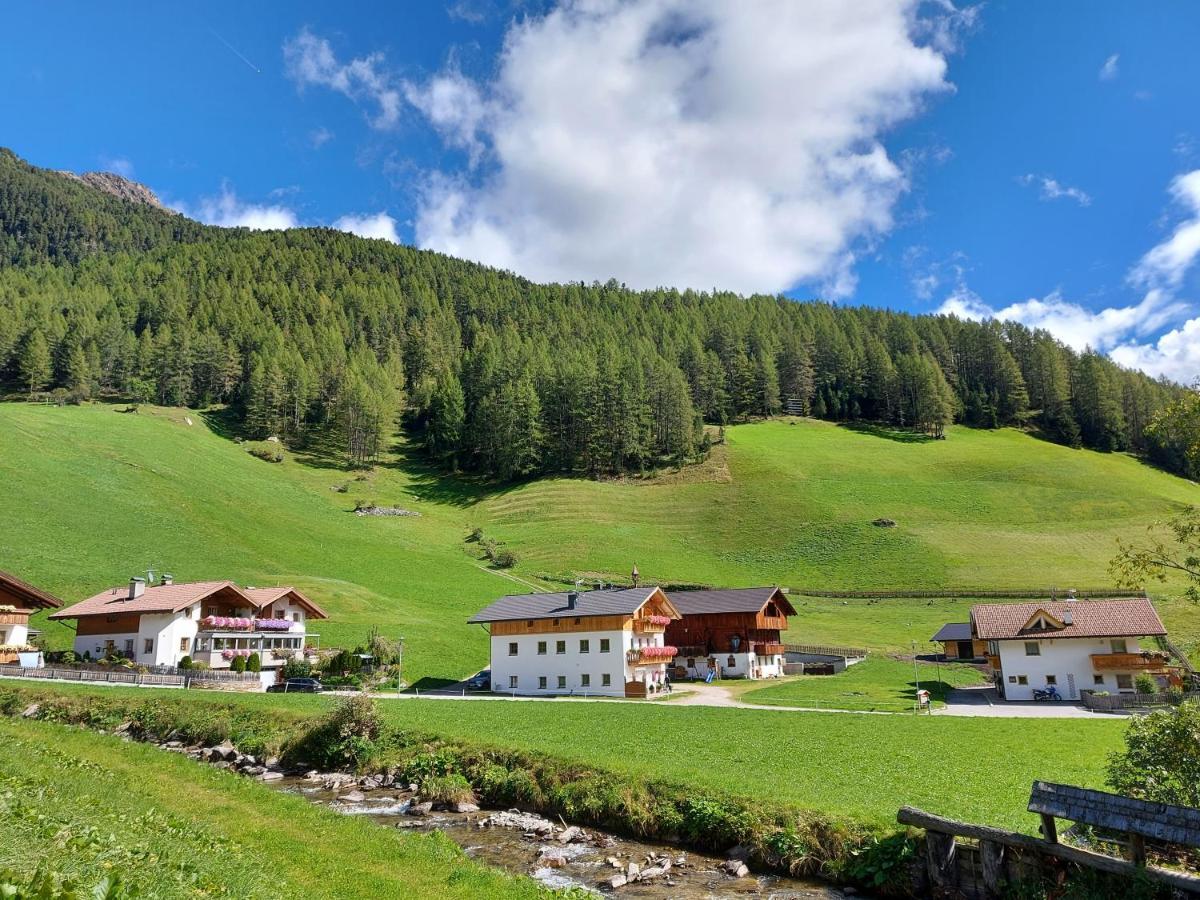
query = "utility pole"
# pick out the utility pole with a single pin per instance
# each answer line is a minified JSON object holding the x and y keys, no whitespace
{"x":916,"y":680}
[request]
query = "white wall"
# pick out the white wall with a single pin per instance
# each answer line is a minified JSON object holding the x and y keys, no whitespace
{"x":745,"y":665}
{"x":94,"y":643}
{"x":1062,"y":657}
{"x":15,"y":634}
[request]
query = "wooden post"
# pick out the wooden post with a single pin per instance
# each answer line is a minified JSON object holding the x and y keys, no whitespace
{"x":1049,"y":829}
{"x":1137,"y":849}
{"x":942,"y":857}
{"x":993,"y":857}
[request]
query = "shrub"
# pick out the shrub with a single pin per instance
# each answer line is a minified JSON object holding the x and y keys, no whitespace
{"x":296,"y":668}
{"x":434,"y":764}
{"x":475,"y":536}
{"x":1174,"y":695}
{"x":882,"y":862}
{"x":346,"y":736}
{"x":185,"y":663}
{"x":452,"y":788}
{"x":1161,"y":759}
{"x":504,"y":559}
{"x":253,"y":663}
{"x":238,"y":664}
{"x":267,"y":454}
{"x":1145,"y":684}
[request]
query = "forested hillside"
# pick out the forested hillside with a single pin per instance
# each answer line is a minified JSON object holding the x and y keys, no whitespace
{"x":316,"y":332}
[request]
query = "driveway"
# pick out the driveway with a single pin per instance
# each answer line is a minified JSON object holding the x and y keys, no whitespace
{"x":984,"y":701}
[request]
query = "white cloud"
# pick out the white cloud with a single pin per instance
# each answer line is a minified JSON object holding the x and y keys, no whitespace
{"x":1053,"y":189}
{"x":1165,"y":265}
{"x":309,"y":60}
{"x":319,"y":137}
{"x":228,"y":210}
{"x":1126,"y":333}
{"x":119,"y":164}
{"x":1108,"y":71}
{"x":380,"y":225}
{"x":696,"y":144}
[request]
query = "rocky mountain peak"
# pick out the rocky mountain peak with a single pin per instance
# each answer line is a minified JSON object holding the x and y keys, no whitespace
{"x":118,"y":186}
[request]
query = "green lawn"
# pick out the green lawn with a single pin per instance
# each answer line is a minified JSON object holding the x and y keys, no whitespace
{"x":878,"y":683}
{"x":90,"y":806}
{"x":863,"y":766}
{"x":93,"y":496}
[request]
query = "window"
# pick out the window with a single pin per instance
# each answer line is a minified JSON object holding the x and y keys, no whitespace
{"x":1119,"y":646}
{"x":3,"y":637}
{"x":110,"y":618}
{"x":1022,"y":679}
{"x":560,"y":646}
{"x":1032,"y":648}
{"x":576,"y":621}
{"x":691,"y":662}
{"x":1012,"y":679}
{"x":183,"y":645}
{"x":1125,"y":682}
{"x":295,"y":617}
{"x":556,"y":621}
{"x":129,"y":646}
{"x":541,"y":648}
{"x":541,"y":682}
{"x":606,"y":680}
{"x":562,"y":682}
{"x":585,"y":680}
{"x":1098,"y":679}
{"x":1051,"y":679}
{"x":512,"y":682}
{"x":512,"y":648}
{"x":529,"y":623}
{"x":585,"y":646}
{"x":604,"y":645}
{"x":731,"y":663}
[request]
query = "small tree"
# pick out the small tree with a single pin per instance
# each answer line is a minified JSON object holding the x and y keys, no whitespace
{"x":1177,"y":552}
{"x":1161,"y":759}
{"x":238,"y":664}
{"x":254,"y":663}
{"x":185,"y":663}
{"x":1145,"y":684}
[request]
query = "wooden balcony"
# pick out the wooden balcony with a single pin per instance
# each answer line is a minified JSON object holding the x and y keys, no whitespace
{"x":645,"y":626}
{"x":1136,"y":662}
{"x":767,"y":648}
{"x":14,"y":618}
{"x":651,"y":656}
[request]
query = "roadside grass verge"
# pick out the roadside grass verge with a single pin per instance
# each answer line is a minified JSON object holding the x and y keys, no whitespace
{"x":878,"y":683}
{"x":89,"y":807}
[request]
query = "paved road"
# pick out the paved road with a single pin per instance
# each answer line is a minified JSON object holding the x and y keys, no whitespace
{"x":984,"y":701}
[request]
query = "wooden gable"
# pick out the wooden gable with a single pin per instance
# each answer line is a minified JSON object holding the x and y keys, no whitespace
{"x":1043,"y":621}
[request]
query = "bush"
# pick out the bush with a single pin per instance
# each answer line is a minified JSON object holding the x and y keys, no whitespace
{"x":296,"y":668}
{"x":253,"y":663}
{"x":185,"y":663}
{"x":238,"y":664}
{"x":1161,"y":759}
{"x":267,"y":454}
{"x":504,"y":559}
{"x":453,"y":788}
{"x":1145,"y":684}
{"x":346,"y":736}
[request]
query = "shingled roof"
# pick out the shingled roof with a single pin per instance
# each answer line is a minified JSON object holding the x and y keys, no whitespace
{"x":1080,"y":618}
{"x":171,"y":598}
{"x":731,"y":600}
{"x":623,"y":602}
{"x":953,"y":631}
{"x":35,"y":597}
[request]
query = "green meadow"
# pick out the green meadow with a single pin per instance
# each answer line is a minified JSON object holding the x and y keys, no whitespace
{"x":97,"y":807}
{"x":94,"y":495}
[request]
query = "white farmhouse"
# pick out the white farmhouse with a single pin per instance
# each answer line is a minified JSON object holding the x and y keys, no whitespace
{"x":18,"y":601}
{"x":1071,"y":645}
{"x":209,"y":621}
{"x":594,"y":643}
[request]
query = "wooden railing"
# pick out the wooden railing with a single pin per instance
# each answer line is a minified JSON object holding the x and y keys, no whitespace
{"x":1092,"y":700}
{"x":642,"y":626}
{"x":1150,"y":662}
{"x":14,"y":618}
{"x":766,"y":648}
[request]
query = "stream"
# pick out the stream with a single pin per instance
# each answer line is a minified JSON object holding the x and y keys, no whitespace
{"x":561,"y":857}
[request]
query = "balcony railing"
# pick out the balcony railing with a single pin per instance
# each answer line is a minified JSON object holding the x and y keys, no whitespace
{"x":649,"y":656}
{"x":650,"y":625}
{"x":1141,"y":662}
{"x":767,"y":648}
{"x":14,"y":618}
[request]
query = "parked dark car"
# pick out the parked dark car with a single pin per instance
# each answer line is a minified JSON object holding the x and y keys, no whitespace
{"x":480,"y":682}
{"x":296,"y":686}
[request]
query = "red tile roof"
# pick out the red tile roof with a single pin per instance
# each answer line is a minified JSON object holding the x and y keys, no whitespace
{"x":1083,"y":618}
{"x":264,"y":597}
{"x":162,"y":598}
{"x":35,"y":597}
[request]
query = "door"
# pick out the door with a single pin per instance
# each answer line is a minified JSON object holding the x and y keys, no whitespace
{"x":966,"y":650}
{"x":1072,"y":694}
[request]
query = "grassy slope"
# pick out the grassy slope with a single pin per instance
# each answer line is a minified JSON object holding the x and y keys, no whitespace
{"x":878,"y":683}
{"x":92,"y":496}
{"x":864,"y":766}
{"x":170,"y":827}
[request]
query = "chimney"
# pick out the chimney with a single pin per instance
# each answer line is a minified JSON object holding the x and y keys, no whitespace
{"x":167,"y":578}
{"x":572,"y":599}
{"x":1071,"y":598}
{"x":137,"y":587}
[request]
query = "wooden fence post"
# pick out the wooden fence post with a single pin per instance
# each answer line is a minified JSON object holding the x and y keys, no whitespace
{"x":942,"y":856}
{"x":993,"y":857}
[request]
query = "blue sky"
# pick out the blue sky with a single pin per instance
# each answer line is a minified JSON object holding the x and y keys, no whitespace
{"x":1025,"y":160}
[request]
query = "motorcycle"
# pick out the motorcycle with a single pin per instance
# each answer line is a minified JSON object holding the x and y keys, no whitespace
{"x":1049,"y":693}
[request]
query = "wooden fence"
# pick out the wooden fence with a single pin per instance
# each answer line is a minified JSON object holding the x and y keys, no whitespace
{"x":822,"y":650}
{"x":163,"y":676}
{"x":1129,"y":701}
{"x":973,"y":594}
{"x":993,"y":860}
